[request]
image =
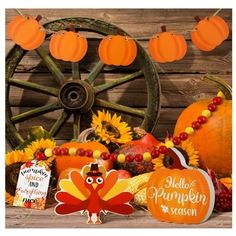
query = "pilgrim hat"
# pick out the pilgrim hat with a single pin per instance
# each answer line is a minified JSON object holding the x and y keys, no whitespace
{"x":94,"y":171}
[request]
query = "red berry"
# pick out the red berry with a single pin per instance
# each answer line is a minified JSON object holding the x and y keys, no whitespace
{"x":183,"y":136}
{"x":196,"y":125}
{"x":105,"y":155}
{"x":129,"y":158}
{"x":138,"y":157}
{"x":27,"y":204}
{"x":176,"y":140}
{"x":212,"y":107}
{"x":162,"y":149}
{"x":88,"y":153}
{"x":217,"y":100}
{"x":64,"y":151}
{"x":80,"y":152}
{"x":113,"y":157}
{"x":202,"y":119}
{"x":56,"y":151}
{"x":155,"y":153}
{"x":40,"y":156}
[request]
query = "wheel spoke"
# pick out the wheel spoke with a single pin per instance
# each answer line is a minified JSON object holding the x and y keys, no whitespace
{"x":95,"y":72}
{"x":75,"y":71}
{"x":103,"y":87}
{"x":118,"y":107}
{"x":35,"y":112}
{"x":76,"y":126}
{"x":59,"y":123}
{"x":52,"y":66}
{"x":33,"y":86}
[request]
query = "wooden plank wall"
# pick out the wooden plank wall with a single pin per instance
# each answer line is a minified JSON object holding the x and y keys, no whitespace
{"x":180,"y":81}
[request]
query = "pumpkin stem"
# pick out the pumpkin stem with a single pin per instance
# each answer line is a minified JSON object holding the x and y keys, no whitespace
{"x":163,"y":28}
{"x":72,"y":28}
{"x":197,"y":18}
{"x":38,"y":18}
{"x":220,"y":84}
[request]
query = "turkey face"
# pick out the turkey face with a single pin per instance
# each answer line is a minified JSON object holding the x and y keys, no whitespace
{"x":94,"y":182}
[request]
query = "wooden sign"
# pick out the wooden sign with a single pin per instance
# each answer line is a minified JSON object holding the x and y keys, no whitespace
{"x":180,"y":194}
{"x":32,"y":185}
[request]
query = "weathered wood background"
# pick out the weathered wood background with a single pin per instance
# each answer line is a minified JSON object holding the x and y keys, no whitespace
{"x":180,"y":81}
{"x":180,"y":84}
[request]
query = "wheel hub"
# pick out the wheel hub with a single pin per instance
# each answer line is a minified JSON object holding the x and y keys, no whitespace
{"x":76,"y":95}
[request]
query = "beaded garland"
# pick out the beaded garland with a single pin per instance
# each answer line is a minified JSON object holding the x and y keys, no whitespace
{"x":146,"y":156}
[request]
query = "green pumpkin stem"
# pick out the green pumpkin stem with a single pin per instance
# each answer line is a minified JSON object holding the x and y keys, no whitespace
{"x":220,"y":84}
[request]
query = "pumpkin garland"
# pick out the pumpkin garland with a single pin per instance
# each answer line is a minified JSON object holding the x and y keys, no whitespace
{"x":117,"y":50}
{"x":26,"y":32}
{"x":68,"y":46}
{"x":167,"y":46}
{"x":209,"y":32}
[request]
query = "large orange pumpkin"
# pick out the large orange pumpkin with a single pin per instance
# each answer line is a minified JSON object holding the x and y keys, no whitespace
{"x":26,"y":32}
{"x":68,"y":46}
{"x":209,"y":32}
{"x":74,"y":161}
{"x":180,"y":194}
{"x":117,"y":50}
{"x":214,"y":139}
{"x":167,"y":46}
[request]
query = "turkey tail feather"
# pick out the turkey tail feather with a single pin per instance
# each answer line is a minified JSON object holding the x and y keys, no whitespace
{"x":123,"y":209}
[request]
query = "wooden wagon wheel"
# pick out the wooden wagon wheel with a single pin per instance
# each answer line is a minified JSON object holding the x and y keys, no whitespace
{"x":76,"y":96}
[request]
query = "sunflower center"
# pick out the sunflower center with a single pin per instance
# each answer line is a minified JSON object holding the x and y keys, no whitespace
{"x":168,"y":161}
{"x":110,"y":129}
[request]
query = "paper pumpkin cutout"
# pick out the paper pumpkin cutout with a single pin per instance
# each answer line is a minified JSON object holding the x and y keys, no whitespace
{"x":117,"y":50}
{"x":181,"y":194}
{"x":209,"y":32}
{"x":26,"y":32}
{"x":93,"y":191}
{"x":68,"y":46}
{"x":167,"y":46}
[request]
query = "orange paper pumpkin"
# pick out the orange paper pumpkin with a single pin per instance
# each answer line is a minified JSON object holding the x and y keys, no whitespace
{"x":117,"y":50}
{"x":64,"y":162}
{"x":68,"y":46}
{"x":181,"y":194}
{"x":209,"y":32}
{"x":167,"y":46}
{"x":26,"y":32}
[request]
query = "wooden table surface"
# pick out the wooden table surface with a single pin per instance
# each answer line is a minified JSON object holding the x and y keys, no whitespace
{"x":31,"y":218}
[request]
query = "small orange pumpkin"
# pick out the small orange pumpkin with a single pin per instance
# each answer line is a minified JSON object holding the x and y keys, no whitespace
{"x":181,"y":194}
{"x":209,"y":32}
{"x":68,"y":46}
{"x":26,"y":32}
{"x":117,"y":50}
{"x":167,"y":46}
{"x":64,"y":162}
{"x":214,"y":139}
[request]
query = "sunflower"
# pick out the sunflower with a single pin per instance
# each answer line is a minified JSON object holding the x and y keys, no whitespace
{"x":186,"y":148}
{"x":13,"y":162}
{"x":39,"y":145}
{"x":110,"y":128}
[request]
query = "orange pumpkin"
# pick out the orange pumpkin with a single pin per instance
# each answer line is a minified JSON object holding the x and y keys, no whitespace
{"x":65,"y":175}
{"x":26,"y":32}
{"x":68,"y":46}
{"x":74,"y":161}
{"x":167,"y":46}
{"x":214,"y":139}
{"x":180,"y":194}
{"x":117,"y":50}
{"x":209,"y":32}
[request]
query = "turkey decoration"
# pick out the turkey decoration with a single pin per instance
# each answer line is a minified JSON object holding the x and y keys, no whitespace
{"x":93,"y":191}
